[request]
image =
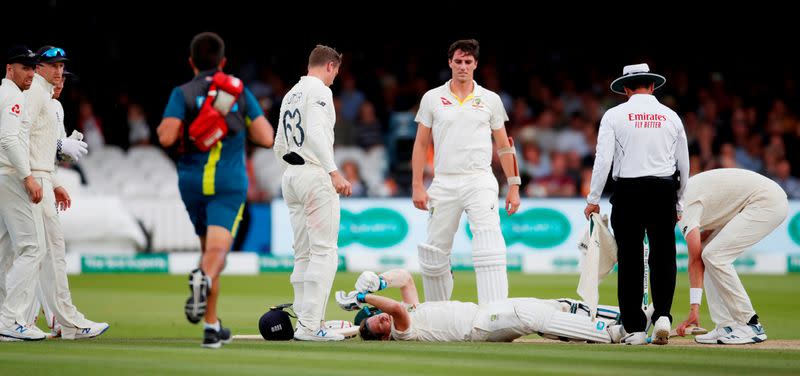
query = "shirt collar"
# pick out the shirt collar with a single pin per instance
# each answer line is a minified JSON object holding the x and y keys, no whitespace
{"x":41,"y":81}
{"x":642,"y":97}
{"x":313,"y":78}
{"x":11,"y":84}
{"x":477,"y":90}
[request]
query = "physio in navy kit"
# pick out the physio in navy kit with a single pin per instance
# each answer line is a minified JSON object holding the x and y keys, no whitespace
{"x":209,"y":117}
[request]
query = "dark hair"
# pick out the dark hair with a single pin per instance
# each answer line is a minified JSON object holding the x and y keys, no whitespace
{"x":322,"y":55}
{"x":634,"y":83}
{"x":365,"y":333}
{"x":207,"y":50}
{"x":467,"y":46}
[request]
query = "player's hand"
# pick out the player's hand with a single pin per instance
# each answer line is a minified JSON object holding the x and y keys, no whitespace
{"x":370,"y":282}
{"x":591,"y":208}
{"x":33,"y":188}
{"x":512,"y":199}
{"x":348,"y":301}
{"x":63,"y":201}
{"x":420,"y":197}
{"x":341,"y":184}
{"x":692,"y":320}
{"x":71,"y":150}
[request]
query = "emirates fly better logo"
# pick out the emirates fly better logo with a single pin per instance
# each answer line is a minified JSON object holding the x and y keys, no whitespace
{"x":374,"y":228}
{"x":536,"y":228}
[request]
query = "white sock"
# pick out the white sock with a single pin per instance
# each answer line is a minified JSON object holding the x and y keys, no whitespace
{"x":214,"y":326}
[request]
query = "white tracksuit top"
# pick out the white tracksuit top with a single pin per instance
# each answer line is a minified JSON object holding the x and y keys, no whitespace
{"x":13,"y":133}
{"x":461,"y":129}
{"x":306,"y":123}
{"x":45,"y":128}
{"x":644,"y":138}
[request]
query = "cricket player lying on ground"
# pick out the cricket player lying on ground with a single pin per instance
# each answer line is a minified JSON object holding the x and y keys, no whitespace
{"x":453,"y":321}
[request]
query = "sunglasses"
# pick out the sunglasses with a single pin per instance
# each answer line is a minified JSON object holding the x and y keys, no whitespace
{"x":55,"y":51}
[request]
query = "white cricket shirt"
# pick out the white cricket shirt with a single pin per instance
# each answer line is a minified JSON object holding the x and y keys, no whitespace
{"x":714,"y":197}
{"x":13,"y":133}
{"x":462,"y":129}
{"x":445,"y":321}
{"x":306,"y":123}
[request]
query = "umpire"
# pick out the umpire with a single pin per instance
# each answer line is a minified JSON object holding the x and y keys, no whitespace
{"x":646,"y":141}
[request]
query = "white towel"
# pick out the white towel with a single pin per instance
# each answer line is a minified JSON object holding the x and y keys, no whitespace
{"x":598,"y":255}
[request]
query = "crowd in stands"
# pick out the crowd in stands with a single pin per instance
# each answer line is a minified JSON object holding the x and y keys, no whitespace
{"x":554,"y":116}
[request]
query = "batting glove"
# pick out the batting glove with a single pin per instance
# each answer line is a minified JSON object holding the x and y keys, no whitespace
{"x":370,"y":282}
{"x":352,"y":301}
{"x":71,"y":150}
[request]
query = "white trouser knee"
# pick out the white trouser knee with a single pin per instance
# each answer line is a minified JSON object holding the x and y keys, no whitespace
{"x":489,"y":260}
{"x":437,"y":280}
{"x":317,"y":283}
{"x":576,"y":327}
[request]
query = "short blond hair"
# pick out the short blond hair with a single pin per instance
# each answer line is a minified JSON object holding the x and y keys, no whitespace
{"x":322,"y":55}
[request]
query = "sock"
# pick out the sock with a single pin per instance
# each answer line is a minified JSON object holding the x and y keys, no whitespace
{"x":753,"y":320}
{"x":214,"y":326}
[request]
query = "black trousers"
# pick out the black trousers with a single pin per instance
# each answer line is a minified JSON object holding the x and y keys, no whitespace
{"x":639,"y":205}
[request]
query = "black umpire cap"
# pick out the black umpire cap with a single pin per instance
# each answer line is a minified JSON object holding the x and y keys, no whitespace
{"x":23,"y":55}
{"x":51,"y":54}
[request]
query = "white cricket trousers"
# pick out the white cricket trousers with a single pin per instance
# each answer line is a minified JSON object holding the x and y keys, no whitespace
{"x":314,"y":213}
{"x":727,"y":299}
{"x":449,"y":196}
{"x":55,"y":295}
{"x":22,"y":237}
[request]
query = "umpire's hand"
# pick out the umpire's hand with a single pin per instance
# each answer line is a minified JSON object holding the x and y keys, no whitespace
{"x":591,"y":208}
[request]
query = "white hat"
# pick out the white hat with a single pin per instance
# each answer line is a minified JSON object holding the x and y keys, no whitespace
{"x":636,"y":71}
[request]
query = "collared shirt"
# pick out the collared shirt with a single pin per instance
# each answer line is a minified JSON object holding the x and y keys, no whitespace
{"x":45,"y":128}
{"x":461,"y":128}
{"x":643,"y":138}
{"x":13,"y":133}
{"x":306,"y":123}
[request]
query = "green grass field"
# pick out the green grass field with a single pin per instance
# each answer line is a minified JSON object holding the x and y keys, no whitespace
{"x":149,"y":335}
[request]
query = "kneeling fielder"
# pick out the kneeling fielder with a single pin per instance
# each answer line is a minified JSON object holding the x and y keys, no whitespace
{"x":725,"y":212}
{"x":453,"y":321}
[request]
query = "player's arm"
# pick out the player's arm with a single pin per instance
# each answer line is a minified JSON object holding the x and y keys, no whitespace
{"x":508,"y":159}
{"x":13,"y":141}
{"x":317,"y":142}
{"x":682,"y":161}
{"x":696,"y":270}
{"x":402,"y":320}
{"x":399,"y":278}
{"x":172,"y":122}
{"x":418,"y":160}
{"x":602,"y":164}
{"x":258,"y":127}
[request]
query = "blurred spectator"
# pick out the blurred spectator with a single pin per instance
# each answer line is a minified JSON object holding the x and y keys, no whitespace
{"x":572,"y":138}
{"x":351,"y":98}
{"x":534,"y":164}
{"x":368,"y":129}
{"x":557,"y":184}
{"x":138,"y":129}
{"x":89,"y":125}
{"x":344,"y":131}
{"x":783,"y":177}
{"x":351,"y":173}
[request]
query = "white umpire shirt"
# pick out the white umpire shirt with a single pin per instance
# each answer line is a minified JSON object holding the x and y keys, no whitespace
{"x":13,"y":134}
{"x":644,"y":138}
{"x":306,"y":123}
{"x":461,"y":129}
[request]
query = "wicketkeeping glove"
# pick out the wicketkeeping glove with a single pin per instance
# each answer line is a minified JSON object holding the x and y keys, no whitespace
{"x":352,"y":301}
{"x":71,"y":150}
{"x":370,"y":282}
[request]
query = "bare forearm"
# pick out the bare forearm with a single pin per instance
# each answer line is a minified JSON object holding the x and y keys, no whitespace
{"x":261,"y":132}
{"x":696,"y":266}
{"x":403,"y":280}
{"x":418,"y":157}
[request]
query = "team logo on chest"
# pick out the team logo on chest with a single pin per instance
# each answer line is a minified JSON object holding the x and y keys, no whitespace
{"x":445,"y":102}
{"x":476,"y":103}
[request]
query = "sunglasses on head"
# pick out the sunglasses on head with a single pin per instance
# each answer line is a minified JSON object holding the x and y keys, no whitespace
{"x":55,"y":51}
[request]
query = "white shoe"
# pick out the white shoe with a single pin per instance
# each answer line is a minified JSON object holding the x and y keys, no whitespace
{"x":93,"y":330}
{"x":711,"y":337}
{"x":617,"y":332}
{"x":22,"y":332}
{"x":661,"y":331}
{"x":744,"y":334}
{"x":637,"y":338}
{"x":322,"y":335}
